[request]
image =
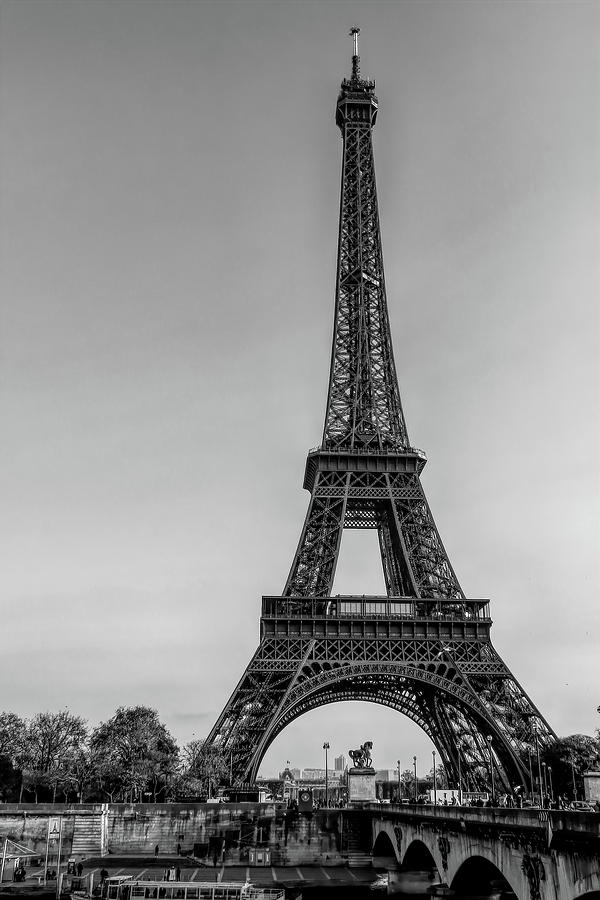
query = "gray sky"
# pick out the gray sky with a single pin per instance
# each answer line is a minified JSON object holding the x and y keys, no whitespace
{"x":170,"y":186}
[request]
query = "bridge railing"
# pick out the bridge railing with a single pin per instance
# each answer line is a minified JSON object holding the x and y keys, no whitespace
{"x":572,"y":822}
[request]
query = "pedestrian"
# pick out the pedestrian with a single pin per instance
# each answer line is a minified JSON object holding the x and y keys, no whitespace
{"x":103,"y":875}
{"x":79,"y":869}
{"x":177,"y":874}
{"x":156,"y":851}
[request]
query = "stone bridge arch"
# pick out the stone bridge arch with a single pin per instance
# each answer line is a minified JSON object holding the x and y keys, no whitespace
{"x":385,"y":854}
{"x":478,"y":876}
{"x":477,"y":852}
{"x":415,"y":863}
{"x":418,"y":857}
{"x":445,"y":858}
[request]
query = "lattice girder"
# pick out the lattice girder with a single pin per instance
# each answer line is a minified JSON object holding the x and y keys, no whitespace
{"x":363,"y":405}
{"x":438,"y":687}
{"x":415,"y":561}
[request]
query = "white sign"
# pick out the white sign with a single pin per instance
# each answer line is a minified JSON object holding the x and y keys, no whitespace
{"x":54,"y":826}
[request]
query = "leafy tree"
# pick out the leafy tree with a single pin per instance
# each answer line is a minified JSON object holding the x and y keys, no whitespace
{"x":204,"y":767}
{"x":50,"y":741}
{"x":134,"y":754}
{"x":569,"y":758}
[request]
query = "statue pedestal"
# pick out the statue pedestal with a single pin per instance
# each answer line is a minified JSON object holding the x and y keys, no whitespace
{"x":361,"y":785}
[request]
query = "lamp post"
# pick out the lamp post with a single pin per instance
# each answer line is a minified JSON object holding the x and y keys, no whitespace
{"x":545,"y":774}
{"x":573,"y":777}
{"x":416,"y":784}
{"x":537,"y":750}
{"x":399,"y":782}
{"x":434,"y":779}
{"x":530,"y":771}
{"x":551,"y":785}
{"x":489,"y":743}
{"x":459,"y":780}
{"x":326,"y":748}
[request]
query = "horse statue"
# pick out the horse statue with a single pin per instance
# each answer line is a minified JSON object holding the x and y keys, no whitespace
{"x":362,"y":757}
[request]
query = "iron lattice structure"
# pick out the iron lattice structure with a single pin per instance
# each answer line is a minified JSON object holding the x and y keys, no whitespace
{"x":424,"y":649}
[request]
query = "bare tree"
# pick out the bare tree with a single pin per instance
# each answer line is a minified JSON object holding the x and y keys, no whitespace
{"x":204,"y":767}
{"x":12,"y":731}
{"x":50,"y":742}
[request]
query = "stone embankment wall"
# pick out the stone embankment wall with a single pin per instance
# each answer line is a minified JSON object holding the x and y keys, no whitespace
{"x":227,"y":831}
{"x":28,"y":825}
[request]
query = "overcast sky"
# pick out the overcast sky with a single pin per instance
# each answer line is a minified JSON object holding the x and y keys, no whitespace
{"x":170,"y":188}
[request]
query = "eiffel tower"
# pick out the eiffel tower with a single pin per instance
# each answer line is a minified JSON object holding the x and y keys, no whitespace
{"x":424,"y":649}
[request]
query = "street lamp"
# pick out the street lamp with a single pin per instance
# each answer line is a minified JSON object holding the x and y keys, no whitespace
{"x":399,"y":782}
{"x":489,"y":743}
{"x":544,"y":770}
{"x":573,"y":776}
{"x":434,"y":780}
{"x":537,"y":750}
{"x":530,"y":773}
{"x":415,"y":768}
{"x":551,"y":785}
{"x":459,"y":779}
{"x":326,"y":748}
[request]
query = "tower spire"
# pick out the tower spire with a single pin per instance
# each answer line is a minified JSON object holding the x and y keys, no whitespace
{"x":354,"y":32}
{"x":363,"y":404}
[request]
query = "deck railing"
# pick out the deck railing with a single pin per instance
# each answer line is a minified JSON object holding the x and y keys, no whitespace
{"x":365,"y":607}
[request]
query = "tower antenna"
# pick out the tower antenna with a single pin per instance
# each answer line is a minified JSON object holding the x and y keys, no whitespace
{"x":354,"y":32}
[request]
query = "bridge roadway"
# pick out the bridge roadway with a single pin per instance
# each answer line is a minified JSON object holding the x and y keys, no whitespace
{"x":529,"y":854}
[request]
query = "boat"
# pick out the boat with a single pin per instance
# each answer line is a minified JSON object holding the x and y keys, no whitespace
{"x":125,"y":887}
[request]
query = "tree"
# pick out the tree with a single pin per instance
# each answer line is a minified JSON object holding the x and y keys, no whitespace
{"x":12,"y":730}
{"x":440,"y":777}
{"x":81,"y":775}
{"x":204,"y":767}
{"x":50,"y":741}
{"x":134,"y":754}
{"x":407,"y":779}
{"x":568,"y":758}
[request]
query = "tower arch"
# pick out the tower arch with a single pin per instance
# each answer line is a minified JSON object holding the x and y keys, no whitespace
{"x":406,"y":690}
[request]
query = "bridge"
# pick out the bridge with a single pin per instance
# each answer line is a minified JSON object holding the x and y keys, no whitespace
{"x":528,"y":854}
{"x":516,"y":854}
